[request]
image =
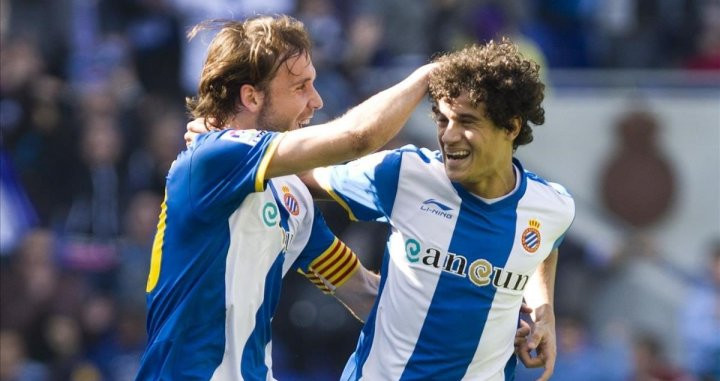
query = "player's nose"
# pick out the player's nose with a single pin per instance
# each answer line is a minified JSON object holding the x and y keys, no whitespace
{"x":316,"y":102}
{"x":451,"y":134}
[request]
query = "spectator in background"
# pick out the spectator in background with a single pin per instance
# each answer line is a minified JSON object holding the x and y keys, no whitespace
{"x":558,"y":27}
{"x":140,"y":225}
{"x":30,"y":281}
{"x":150,"y":159}
{"x":92,"y":226}
{"x":64,"y":335}
{"x":707,"y":41}
{"x":639,"y":34}
{"x":39,"y":303}
{"x":155,"y":37}
{"x":699,"y":321}
{"x":326,"y":31}
{"x":405,"y":28}
{"x":650,"y":362}
{"x":17,"y":214}
{"x":14,"y":363}
{"x":36,"y":127}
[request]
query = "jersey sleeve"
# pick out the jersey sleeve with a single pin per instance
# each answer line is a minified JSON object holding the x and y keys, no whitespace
{"x":227,"y":166}
{"x":366,"y":187}
{"x":326,"y":261}
{"x":569,"y":208}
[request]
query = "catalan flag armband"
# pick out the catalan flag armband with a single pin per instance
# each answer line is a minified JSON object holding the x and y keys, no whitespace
{"x":332,"y":268}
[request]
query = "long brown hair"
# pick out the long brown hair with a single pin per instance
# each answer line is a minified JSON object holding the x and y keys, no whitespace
{"x":243,"y":52}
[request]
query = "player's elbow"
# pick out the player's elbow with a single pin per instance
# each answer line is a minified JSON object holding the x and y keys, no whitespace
{"x":361,"y":143}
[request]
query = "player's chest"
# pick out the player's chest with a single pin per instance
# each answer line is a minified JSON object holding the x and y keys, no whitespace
{"x":499,"y":249}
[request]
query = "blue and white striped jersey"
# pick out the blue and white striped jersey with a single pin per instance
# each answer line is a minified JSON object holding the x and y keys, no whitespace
{"x":225,"y":239}
{"x":455,"y":267}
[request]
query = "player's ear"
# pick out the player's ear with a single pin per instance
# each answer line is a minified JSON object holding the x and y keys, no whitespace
{"x":251,"y":98}
{"x":516,"y":124}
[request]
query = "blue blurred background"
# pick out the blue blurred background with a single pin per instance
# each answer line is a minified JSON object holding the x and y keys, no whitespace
{"x":92,"y":114}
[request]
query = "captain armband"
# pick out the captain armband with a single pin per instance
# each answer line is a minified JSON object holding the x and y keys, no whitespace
{"x":332,"y":268}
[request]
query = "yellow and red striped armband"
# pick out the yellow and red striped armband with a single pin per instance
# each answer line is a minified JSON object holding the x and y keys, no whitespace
{"x":333,"y":267}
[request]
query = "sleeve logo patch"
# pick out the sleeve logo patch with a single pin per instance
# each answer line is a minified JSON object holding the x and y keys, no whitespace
{"x":270,"y":214}
{"x":250,"y":137}
{"x":291,"y":203}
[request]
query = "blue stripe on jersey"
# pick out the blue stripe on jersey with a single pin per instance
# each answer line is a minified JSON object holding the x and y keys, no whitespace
{"x":387,"y":176}
{"x":253,"y":359}
{"x":321,"y":238}
{"x":510,"y":368}
{"x":511,"y":364}
{"x":533,"y":176}
{"x":559,"y":241}
{"x":476,"y":236}
{"x":353,"y":368}
{"x":370,"y":196}
{"x":284,"y":215}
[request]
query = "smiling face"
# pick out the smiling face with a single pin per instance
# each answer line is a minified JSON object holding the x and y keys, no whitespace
{"x":477,"y":153}
{"x":290,"y":98}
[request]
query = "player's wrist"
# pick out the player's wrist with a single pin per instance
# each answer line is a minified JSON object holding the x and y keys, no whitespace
{"x":544,"y":312}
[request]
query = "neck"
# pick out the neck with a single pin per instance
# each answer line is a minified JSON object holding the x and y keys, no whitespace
{"x":495,"y":183}
{"x":241,"y":121}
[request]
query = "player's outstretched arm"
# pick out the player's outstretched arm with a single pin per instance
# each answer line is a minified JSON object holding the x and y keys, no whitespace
{"x":362,"y":130}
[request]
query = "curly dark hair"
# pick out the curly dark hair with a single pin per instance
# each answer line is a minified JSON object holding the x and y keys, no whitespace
{"x":243,"y":52}
{"x":497,"y":75}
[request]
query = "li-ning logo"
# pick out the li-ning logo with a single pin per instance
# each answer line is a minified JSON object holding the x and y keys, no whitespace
{"x":435,"y":207}
{"x":291,"y":203}
{"x":531,"y":236}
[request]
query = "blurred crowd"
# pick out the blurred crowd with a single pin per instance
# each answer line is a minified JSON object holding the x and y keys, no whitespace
{"x":92,"y":115}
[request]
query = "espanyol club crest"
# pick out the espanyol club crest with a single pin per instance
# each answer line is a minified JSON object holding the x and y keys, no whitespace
{"x":531,"y":236}
{"x":291,"y":203}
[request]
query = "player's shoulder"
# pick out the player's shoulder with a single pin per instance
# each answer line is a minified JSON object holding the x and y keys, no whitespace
{"x":408,"y":158}
{"x":550,"y":185}
{"x":551,"y":192}
{"x":229,"y":137}
{"x":420,"y":154}
{"x":228,"y":145}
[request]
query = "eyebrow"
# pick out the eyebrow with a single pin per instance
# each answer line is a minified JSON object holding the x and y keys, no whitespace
{"x":301,"y":81}
{"x":468,"y":116}
{"x":465,"y":116}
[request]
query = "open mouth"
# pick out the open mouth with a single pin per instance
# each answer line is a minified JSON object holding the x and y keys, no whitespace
{"x":457,"y":155}
{"x":304,"y":123}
